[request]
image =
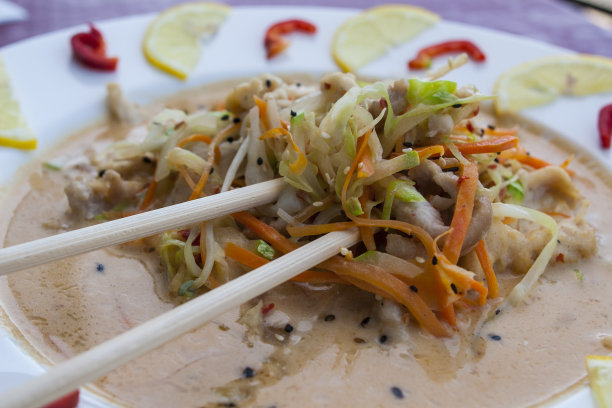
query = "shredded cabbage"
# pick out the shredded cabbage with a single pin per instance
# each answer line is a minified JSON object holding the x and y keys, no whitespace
{"x":521,"y":290}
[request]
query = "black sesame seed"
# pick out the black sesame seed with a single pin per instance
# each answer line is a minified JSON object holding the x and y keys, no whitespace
{"x":454,"y":288}
{"x":101,"y":173}
{"x":407,"y":144}
{"x":293,"y":113}
{"x":342,"y":213}
{"x":397,"y":392}
{"x":212,"y":170}
{"x":225,"y":117}
{"x":230,"y":139}
{"x":451,"y":169}
{"x":528,"y":153}
{"x":558,"y":241}
{"x":496,"y":160}
{"x":268,"y":83}
{"x":298,"y":84}
{"x":147,"y":159}
{"x":248,"y":372}
{"x":383,"y":339}
{"x":482,"y":132}
{"x":236,"y":120}
{"x":495,"y":337}
{"x":491,"y":127}
{"x":434,"y":260}
{"x":99,"y":267}
{"x":365,"y":321}
{"x":498,"y":311}
{"x":498,"y":153}
{"x":259,"y":161}
{"x":288,"y":328}
{"x":329,"y":318}
{"x":414,"y":289}
{"x":457,"y":105}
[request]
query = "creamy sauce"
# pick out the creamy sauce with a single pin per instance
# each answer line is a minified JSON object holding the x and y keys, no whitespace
{"x":522,"y":357}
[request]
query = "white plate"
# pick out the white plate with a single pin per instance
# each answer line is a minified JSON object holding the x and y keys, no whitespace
{"x":59,"y":96}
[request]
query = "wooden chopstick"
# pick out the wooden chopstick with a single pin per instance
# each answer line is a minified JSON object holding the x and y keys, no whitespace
{"x":137,"y":226}
{"x":107,"y":356}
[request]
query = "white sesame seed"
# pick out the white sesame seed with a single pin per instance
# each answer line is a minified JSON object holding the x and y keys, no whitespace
{"x":325,"y":135}
{"x":419,"y":259}
{"x":317,"y":204}
{"x":279,"y":337}
{"x":344,"y":251}
{"x":347,"y":169}
{"x":408,"y":149}
{"x":360,"y":165}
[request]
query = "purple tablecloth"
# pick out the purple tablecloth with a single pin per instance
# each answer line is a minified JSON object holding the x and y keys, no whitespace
{"x":552,"y":21}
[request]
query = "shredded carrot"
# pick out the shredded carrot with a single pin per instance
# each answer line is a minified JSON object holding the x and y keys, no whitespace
{"x":223,"y":134}
{"x":312,"y":276}
{"x":468,"y":183}
{"x":532,"y":161}
{"x":375,"y":279}
{"x":300,"y":163}
{"x":360,"y":152}
{"x":567,"y":162}
{"x":448,"y":314}
{"x":266,"y":232}
{"x":365,"y":168}
{"x":148,"y":198}
{"x":203,"y":139}
{"x":430,"y":151}
{"x":493,"y":145}
{"x":378,"y":281}
{"x":187,"y":177}
{"x":501,"y":131}
{"x":263,"y":111}
{"x":487,"y":267}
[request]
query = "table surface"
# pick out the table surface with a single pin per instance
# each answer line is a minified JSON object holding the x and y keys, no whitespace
{"x":552,"y":21}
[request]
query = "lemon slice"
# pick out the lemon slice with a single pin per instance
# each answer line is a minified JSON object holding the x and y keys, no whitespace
{"x":600,"y":377}
{"x":371,"y":34}
{"x":173,"y":40}
{"x":14,"y":131}
{"x":543,"y":80}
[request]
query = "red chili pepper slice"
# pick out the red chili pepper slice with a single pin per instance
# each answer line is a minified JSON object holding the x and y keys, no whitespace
{"x":604,"y":124}
{"x":275,"y":43}
{"x":67,"y":401}
{"x":423,"y":58}
{"x":90,"y":49}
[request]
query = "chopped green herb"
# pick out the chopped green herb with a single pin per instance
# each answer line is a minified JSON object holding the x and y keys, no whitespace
{"x":101,"y":217}
{"x":264,"y":249}
{"x":52,"y":166}
{"x":579,"y":275}
{"x":185,"y":287}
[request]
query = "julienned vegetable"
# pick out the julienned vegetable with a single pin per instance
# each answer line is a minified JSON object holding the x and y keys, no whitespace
{"x":424,"y":56}
{"x":274,"y":41}
{"x":604,"y":125}
{"x":90,"y":49}
{"x":405,"y":162}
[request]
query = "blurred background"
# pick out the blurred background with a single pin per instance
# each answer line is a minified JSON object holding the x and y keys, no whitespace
{"x":583,"y":26}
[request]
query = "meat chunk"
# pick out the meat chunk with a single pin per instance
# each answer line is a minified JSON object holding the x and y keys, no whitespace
{"x":120,"y":108}
{"x":550,"y":189}
{"x":240,"y":99}
{"x":334,"y":85}
{"x":88,"y":198}
{"x":421,"y":214}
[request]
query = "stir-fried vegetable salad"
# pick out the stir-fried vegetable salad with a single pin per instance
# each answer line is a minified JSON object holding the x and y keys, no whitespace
{"x":403,"y":161}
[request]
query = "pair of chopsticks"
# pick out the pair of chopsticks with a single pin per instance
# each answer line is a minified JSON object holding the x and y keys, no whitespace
{"x":107,"y":356}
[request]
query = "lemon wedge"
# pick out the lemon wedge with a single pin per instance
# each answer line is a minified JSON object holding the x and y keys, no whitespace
{"x":543,"y":80}
{"x":600,"y":377}
{"x":14,"y":131}
{"x":173,"y":40}
{"x":371,"y":34}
